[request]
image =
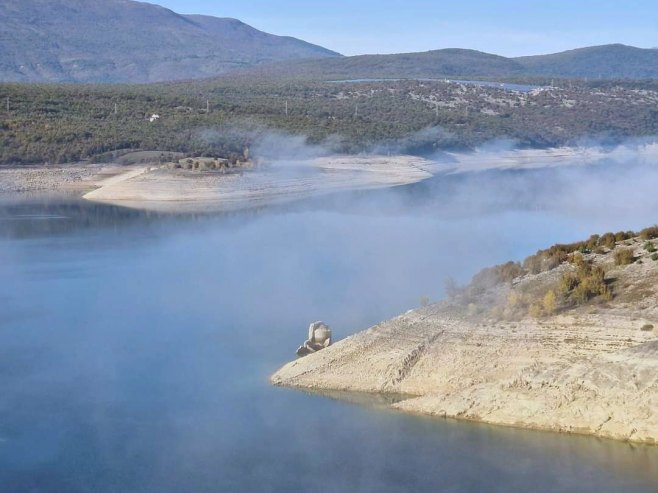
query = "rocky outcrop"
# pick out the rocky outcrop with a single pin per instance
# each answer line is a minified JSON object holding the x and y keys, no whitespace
{"x":319,"y":337}
{"x":591,"y":370}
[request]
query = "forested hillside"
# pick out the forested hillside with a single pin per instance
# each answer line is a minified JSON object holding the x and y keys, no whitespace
{"x":63,"y":123}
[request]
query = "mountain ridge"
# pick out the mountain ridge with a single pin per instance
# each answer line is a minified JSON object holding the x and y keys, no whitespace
{"x":603,"y":61}
{"x":615,"y":61}
{"x":124,"y":41}
{"x":128,"y":41}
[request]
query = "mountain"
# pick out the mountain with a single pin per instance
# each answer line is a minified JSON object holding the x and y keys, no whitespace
{"x":451,"y":62}
{"x":128,"y":41}
{"x":607,"y":62}
{"x":614,"y":61}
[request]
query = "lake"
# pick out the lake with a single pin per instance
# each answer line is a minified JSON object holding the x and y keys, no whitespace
{"x":507,"y":86}
{"x":135,"y":348}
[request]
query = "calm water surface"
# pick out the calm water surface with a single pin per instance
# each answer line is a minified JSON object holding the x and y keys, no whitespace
{"x":480,"y":83}
{"x":135,"y":349}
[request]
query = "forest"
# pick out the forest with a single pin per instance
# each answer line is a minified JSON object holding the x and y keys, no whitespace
{"x":50,"y":123}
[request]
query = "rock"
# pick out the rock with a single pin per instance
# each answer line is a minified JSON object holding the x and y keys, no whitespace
{"x":319,"y":337}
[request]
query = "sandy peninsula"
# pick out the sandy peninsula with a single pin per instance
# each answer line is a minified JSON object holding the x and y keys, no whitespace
{"x":158,"y":187}
{"x":589,"y":369}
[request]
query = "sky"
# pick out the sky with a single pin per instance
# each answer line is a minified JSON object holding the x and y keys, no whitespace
{"x":504,"y":27}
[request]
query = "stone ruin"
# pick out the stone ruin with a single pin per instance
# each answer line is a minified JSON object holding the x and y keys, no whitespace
{"x":319,"y":337}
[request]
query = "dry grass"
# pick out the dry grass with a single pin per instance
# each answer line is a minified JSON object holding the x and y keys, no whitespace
{"x":624,"y":256}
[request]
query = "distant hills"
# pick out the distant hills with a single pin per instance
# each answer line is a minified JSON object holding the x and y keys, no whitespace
{"x":597,"y":62}
{"x":438,"y":63}
{"x":127,"y":41}
{"x":615,"y":61}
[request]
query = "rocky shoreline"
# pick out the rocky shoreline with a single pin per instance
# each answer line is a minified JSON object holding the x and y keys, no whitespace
{"x":586,"y":370}
{"x":167,"y":190}
{"x":163,"y":187}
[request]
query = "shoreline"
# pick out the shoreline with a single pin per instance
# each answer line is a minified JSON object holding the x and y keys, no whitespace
{"x":154,"y":187}
{"x":587,"y":370}
{"x":74,"y":178}
{"x":515,"y":398}
{"x":165,"y":190}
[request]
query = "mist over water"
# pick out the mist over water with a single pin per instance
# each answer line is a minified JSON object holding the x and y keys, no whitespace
{"x":135,"y":349}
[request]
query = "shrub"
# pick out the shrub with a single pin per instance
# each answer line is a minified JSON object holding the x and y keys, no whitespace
{"x":650,"y":247}
{"x":581,"y":294}
{"x":578,"y":260}
{"x":647,"y":328}
{"x":533,"y":264}
{"x":514,"y":299}
{"x":496,"y":275}
{"x":649,"y":233}
{"x":624,"y":256}
{"x":549,"y":302}
{"x":608,"y":240}
{"x":624,"y":235}
{"x":535,"y":310}
{"x":568,"y":282}
{"x":586,"y":283}
{"x":654,"y":256}
{"x":509,"y":271}
{"x":555,"y":259}
{"x":593,"y":242}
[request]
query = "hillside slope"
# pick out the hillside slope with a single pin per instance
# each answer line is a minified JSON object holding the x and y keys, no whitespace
{"x":438,"y":63}
{"x":615,"y":61}
{"x":596,"y":62}
{"x":127,"y":41}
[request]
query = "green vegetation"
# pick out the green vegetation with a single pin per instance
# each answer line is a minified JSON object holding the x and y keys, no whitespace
{"x":575,"y":287}
{"x":550,"y":258}
{"x":140,"y":43}
{"x":607,"y":61}
{"x":581,"y":280}
{"x":595,"y":62}
{"x":498,"y":274}
{"x":220,"y":118}
{"x":586,"y":283}
{"x":549,"y":303}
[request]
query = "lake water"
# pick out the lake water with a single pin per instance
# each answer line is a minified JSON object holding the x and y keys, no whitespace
{"x":507,"y":86}
{"x":135,"y":349}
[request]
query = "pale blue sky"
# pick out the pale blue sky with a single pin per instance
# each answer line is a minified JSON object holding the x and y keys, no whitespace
{"x":505,"y":27}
